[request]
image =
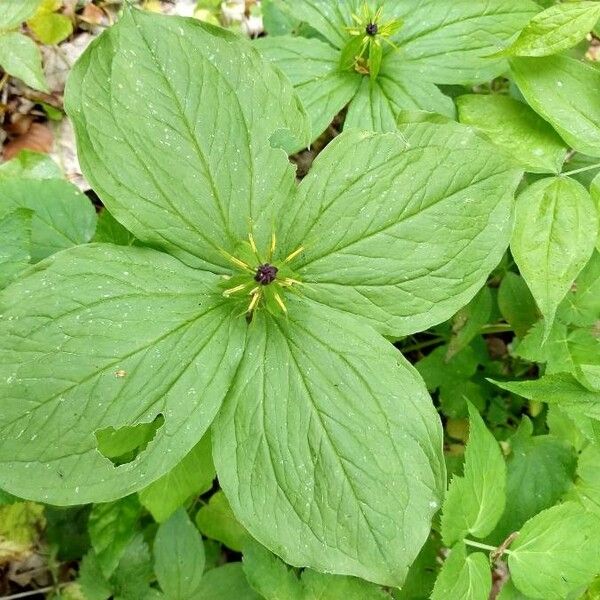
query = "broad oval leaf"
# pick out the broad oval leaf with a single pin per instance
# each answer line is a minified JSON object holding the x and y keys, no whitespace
{"x":556,"y":552}
{"x":401,"y":228}
{"x":555,"y":29}
{"x":565,"y":92}
{"x":556,"y":226}
{"x":21,"y":58}
{"x":475,"y":502}
{"x":343,"y":471}
{"x":191,"y":168}
{"x":99,"y":337}
{"x":62,"y":216}
{"x":515,"y":128}
{"x":14,"y":12}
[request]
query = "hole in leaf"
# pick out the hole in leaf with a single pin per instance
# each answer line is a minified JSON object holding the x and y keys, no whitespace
{"x":124,"y":445}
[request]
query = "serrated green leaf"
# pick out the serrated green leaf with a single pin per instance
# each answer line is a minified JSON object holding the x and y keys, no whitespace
{"x":225,"y":583}
{"x":556,"y":552}
{"x":556,"y":225}
{"x":587,"y":487}
{"x":21,"y":58}
{"x":192,"y":476}
{"x":555,"y":29}
{"x":91,"y":580}
{"x":132,"y":577}
{"x":141,"y":335}
{"x":217,"y":521}
{"x":223,"y":188}
{"x":14,"y":12}
{"x":313,"y":67}
{"x":335,"y":402}
{"x":540,"y":470}
{"x":516,"y":129}
{"x":179,"y":557}
{"x":111,"y":527}
{"x":475,"y":502}
{"x":30,"y":165}
{"x":516,"y":303}
{"x":465,"y":577}
{"x":561,"y":90}
{"x":15,"y":244}
{"x":363,"y":228}
{"x":62,"y":215}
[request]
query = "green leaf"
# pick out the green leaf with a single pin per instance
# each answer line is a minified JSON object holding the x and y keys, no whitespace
{"x":13,"y":13}
{"x":94,"y":585}
{"x":323,"y":513}
{"x":140,"y":335}
{"x":30,"y":165}
{"x":587,"y":487}
{"x":379,"y":102}
{"x":449,"y":42}
{"x":475,"y":502}
{"x":225,"y":583}
{"x":540,"y":470}
{"x":465,"y":577}
{"x":21,"y":58}
{"x":166,"y":168}
{"x":192,"y":476}
{"x":110,"y":231}
{"x":111,"y":527}
{"x":131,"y":580}
{"x":15,"y":244}
{"x":516,"y":129}
{"x":48,"y":26}
{"x":338,"y":587}
{"x":555,"y":29}
{"x":371,"y":234}
{"x":62,"y":215}
{"x":217,"y":521}
{"x":269,"y":576}
{"x":556,"y":225}
{"x":556,"y":552}
{"x":422,"y":573}
{"x":516,"y":303}
{"x":179,"y":558}
{"x":561,"y":89}
{"x":313,"y":67}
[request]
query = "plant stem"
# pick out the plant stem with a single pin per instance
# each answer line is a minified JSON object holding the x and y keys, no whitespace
{"x":588,"y":168}
{"x":29,"y":593}
{"x":496,"y":328}
{"x":420,"y":345}
{"x":484,"y":546}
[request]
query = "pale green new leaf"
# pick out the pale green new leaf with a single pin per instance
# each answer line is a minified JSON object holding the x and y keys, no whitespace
{"x":556,"y":552}
{"x":475,"y":502}
{"x":177,"y":174}
{"x":21,"y":58}
{"x":555,"y":29}
{"x":192,"y":476}
{"x":556,"y":225}
{"x":15,"y":244}
{"x":50,"y":27}
{"x":179,"y":558}
{"x":343,"y":506}
{"x":465,"y":577}
{"x":62,"y":215}
{"x":313,"y":67}
{"x":14,"y":12}
{"x":379,"y":102}
{"x":565,"y":92}
{"x":217,"y":521}
{"x":100,"y":337}
{"x":401,"y":229}
{"x":516,"y":129}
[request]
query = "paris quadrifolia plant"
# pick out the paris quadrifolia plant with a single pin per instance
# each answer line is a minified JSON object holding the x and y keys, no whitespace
{"x":252,"y":308}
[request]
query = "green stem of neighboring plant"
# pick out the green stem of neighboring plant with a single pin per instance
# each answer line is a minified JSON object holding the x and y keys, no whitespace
{"x":485,"y":546}
{"x":582,"y":170}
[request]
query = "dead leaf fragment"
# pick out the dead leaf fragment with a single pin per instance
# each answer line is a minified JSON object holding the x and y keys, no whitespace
{"x":38,"y":138}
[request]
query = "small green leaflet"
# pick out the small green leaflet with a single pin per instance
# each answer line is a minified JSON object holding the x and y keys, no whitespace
{"x":475,"y":502}
{"x":217,"y":521}
{"x":14,"y":12}
{"x":62,"y":216}
{"x":555,"y":29}
{"x":15,"y":244}
{"x":556,"y":226}
{"x":465,"y":577}
{"x":179,"y":558}
{"x":516,"y":129}
{"x":564,"y":92}
{"x":30,"y":165}
{"x":439,"y":42}
{"x":556,"y":552}
{"x":21,"y":58}
{"x":516,"y":303}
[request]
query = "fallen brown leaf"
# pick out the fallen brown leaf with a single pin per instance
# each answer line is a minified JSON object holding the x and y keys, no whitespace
{"x":38,"y":138}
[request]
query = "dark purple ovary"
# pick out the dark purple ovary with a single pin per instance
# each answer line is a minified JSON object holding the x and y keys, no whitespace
{"x":266,"y":274}
{"x":371,"y":29}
